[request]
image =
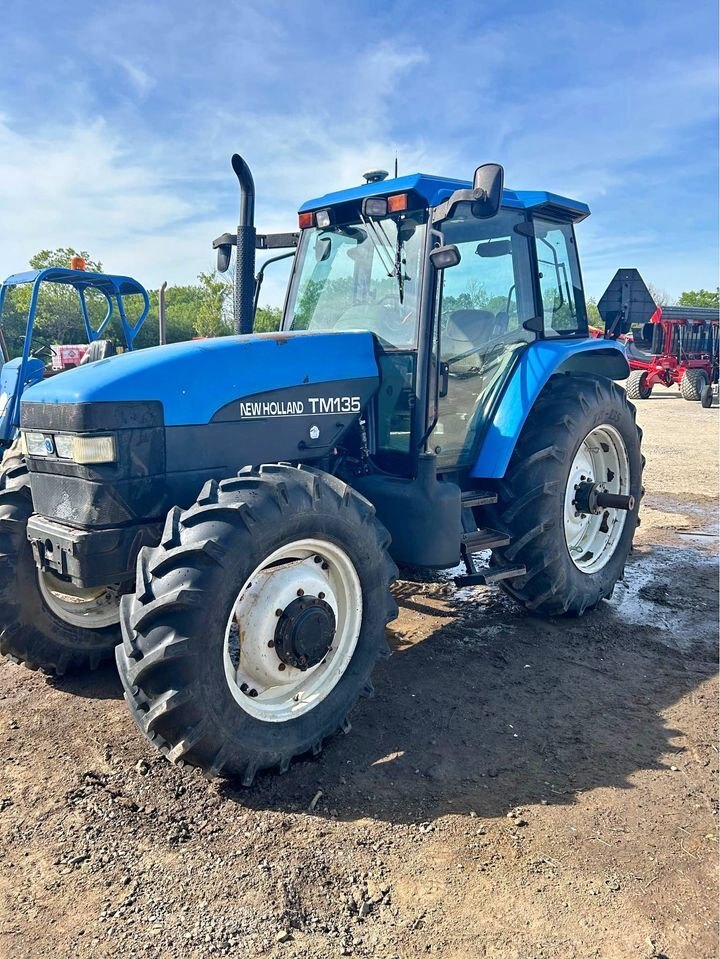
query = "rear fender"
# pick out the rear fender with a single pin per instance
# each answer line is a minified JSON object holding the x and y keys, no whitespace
{"x":535,"y":366}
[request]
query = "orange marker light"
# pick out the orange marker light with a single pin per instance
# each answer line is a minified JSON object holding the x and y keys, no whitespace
{"x":77,"y":263}
{"x":397,"y":203}
{"x":306,"y":220}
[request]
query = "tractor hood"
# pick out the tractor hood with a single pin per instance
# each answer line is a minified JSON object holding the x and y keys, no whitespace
{"x":201,"y":381}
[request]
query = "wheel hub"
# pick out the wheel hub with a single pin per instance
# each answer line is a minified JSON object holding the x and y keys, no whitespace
{"x":594,"y":498}
{"x":305,"y":632}
{"x":597,"y":498}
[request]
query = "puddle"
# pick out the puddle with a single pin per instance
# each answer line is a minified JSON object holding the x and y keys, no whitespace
{"x":663,"y":590}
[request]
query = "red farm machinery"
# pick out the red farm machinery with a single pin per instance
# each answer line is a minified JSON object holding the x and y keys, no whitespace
{"x":669,"y":344}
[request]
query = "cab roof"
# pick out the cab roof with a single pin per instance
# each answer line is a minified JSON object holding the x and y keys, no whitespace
{"x":434,"y":190}
{"x":107,"y":283}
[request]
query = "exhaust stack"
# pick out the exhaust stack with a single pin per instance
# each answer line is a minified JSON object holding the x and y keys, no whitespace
{"x":245,"y":259}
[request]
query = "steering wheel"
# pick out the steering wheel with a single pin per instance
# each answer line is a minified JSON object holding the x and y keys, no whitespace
{"x":393,"y":317}
{"x":40,"y":350}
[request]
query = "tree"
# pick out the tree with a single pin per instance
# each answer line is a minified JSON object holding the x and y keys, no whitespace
{"x":267,"y":319}
{"x":210,"y":318}
{"x":660,"y":297}
{"x":700,"y":298}
{"x":593,"y":314}
{"x":58,"y":318}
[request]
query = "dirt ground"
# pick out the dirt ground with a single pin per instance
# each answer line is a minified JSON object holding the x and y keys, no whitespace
{"x":517,"y":789}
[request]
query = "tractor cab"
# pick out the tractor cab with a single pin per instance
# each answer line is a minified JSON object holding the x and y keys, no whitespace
{"x":100,"y":298}
{"x":453,"y":289}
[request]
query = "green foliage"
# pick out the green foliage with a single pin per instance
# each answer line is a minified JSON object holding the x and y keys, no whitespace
{"x":267,"y":319}
{"x":58,"y":318}
{"x":61,"y":257}
{"x":202,"y":309}
{"x":700,"y":298}
{"x":210,"y":318}
{"x":593,"y":314}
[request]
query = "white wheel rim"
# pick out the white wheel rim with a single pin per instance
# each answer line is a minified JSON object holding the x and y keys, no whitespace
{"x":591,"y":538}
{"x":263,"y":685}
{"x":86,"y":609}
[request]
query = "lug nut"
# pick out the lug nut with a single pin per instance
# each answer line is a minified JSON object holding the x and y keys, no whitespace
{"x":321,"y":595}
{"x":278,"y":612}
{"x":318,"y":559}
{"x":244,"y":688}
{"x":253,"y":693}
{"x":301,"y":592}
{"x":324,"y":566}
{"x":281,"y":666}
{"x":271,"y":644}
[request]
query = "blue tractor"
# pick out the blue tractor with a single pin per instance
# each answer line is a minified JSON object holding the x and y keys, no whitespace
{"x":30,"y":367}
{"x":237,"y":508}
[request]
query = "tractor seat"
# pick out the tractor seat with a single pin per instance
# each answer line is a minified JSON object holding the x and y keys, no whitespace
{"x":98,"y":350}
{"x":467,"y":330}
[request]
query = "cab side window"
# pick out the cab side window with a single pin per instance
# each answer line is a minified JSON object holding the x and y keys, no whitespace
{"x":484,"y":302}
{"x":559,"y":274}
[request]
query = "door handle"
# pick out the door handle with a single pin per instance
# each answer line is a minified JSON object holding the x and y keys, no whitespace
{"x":444,"y":380}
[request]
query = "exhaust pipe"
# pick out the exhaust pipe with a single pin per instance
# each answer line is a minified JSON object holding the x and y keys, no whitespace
{"x":245,"y":259}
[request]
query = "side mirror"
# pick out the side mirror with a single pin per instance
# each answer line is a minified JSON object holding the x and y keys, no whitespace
{"x":224,"y":244}
{"x":485,"y":198}
{"x":443,"y":257}
{"x":488,"y":185}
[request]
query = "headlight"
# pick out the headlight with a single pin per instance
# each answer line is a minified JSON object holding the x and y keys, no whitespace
{"x":64,"y":446}
{"x":93,"y":449}
{"x":38,"y":444}
{"x":77,"y":449}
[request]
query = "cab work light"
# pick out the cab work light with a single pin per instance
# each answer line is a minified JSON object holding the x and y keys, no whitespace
{"x":375,"y":207}
{"x":323,"y":219}
{"x":94,"y":449}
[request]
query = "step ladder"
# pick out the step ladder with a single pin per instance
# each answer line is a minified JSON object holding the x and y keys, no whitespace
{"x":475,"y":539}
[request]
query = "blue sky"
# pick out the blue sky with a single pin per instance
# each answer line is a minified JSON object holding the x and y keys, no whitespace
{"x":117,"y":121}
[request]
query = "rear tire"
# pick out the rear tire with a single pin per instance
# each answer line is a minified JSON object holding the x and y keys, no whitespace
{"x":692,"y":384}
{"x":182,"y":665}
{"x":636,"y":387}
{"x":533,"y":498}
{"x":31,"y":632}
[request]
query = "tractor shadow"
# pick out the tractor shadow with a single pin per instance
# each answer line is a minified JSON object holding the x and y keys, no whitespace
{"x":483,"y":708}
{"x":101,"y":683}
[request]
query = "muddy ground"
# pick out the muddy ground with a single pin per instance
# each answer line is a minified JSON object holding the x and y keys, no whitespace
{"x":517,"y":789}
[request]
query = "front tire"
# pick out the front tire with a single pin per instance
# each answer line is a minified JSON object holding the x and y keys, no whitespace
{"x":41,"y":625}
{"x":579,"y":426}
{"x":706,"y":397}
{"x":692,"y":384}
{"x":257,"y":621}
{"x":12,"y":464}
{"x":636,"y":386}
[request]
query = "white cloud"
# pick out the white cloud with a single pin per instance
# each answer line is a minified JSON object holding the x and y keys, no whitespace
{"x":82,"y":187}
{"x":139,"y":78}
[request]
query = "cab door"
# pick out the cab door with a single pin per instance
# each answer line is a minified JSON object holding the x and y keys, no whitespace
{"x":483,"y":304}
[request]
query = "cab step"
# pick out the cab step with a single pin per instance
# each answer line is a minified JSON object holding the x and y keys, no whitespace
{"x":477,"y":497}
{"x":489,"y":576}
{"x":479,"y":539}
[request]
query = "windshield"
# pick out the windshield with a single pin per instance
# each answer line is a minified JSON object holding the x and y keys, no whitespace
{"x":360,"y":276}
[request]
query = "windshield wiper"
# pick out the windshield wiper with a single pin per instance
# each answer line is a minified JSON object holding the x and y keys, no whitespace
{"x":375,"y":229}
